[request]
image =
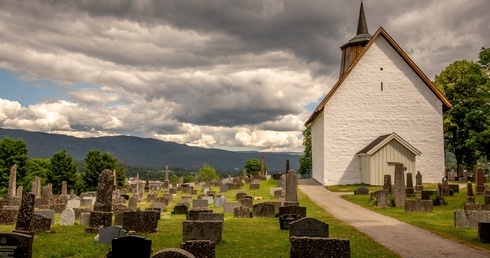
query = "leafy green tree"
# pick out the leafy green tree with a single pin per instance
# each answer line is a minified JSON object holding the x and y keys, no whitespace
{"x":464,"y":84}
{"x":207,"y":173}
{"x":484,"y":61}
{"x":305,"y":161}
{"x":95,"y":162}
{"x":63,"y":168}
{"x":12,"y":152}
{"x":252,"y":166}
{"x":37,"y":167}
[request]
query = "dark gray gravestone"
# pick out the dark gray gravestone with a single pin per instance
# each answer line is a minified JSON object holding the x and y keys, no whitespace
{"x":418,"y":205}
{"x":107,"y":234}
{"x":286,"y":219}
{"x":105,"y":187}
{"x":291,"y":186}
{"x":381,"y":198}
{"x":180,"y":209}
{"x":200,"y":248}
{"x":263,"y":210}
{"x":299,"y":210}
{"x":131,"y":246}
{"x":387,"y":183}
{"x":484,"y":232}
{"x":426,"y":194}
{"x":309,"y":227}
{"x":173,"y":253}
{"x":418,"y":182}
{"x":141,"y":221}
{"x":200,"y":204}
{"x":399,"y":187}
{"x":307,"y":247}
{"x":40,"y":223}
{"x":202,"y":230}
{"x":194,"y":213}
{"x":241,"y":212}
{"x":16,"y":245}
{"x":239,"y":195}
{"x":25,"y":213}
{"x":410,"y":192}
{"x":212,"y":216}
{"x":361,"y":190}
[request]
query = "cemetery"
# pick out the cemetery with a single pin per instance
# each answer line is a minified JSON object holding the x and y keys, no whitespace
{"x":200,"y":219}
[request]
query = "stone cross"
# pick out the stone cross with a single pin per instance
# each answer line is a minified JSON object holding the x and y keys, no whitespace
{"x":105,"y":187}
{"x":12,"y":181}
{"x":399,"y":186}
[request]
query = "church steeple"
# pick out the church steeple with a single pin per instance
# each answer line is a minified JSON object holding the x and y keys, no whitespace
{"x":353,"y":47}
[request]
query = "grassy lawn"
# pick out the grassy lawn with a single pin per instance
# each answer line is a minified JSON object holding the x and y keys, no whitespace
{"x":440,"y":221}
{"x":242,"y":237}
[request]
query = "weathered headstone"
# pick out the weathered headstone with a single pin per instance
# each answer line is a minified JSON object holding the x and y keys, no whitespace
{"x":291,"y":186}
{"x":305,"y":247}
{"x":47,"y":213}
{"x":67,"y":217}
{"x":219,"y":201}
{"x":131,"y":246}
{"x":12,"y":182}
{"x":399,"y":186}
{"x":180,"y":209}
{"x":418,"y":182}
{"x":470,"y":197}
{"x":309,"y":227}
{"x":387,"y":183}
{"x":361,"y":190}
{"x":194,"y":213}
{"x":102,"y":215}
{"x":228,"y":207}
{"x":200,"y":248}
{"x":445,"y":187}
{"x":25,"y":213}
{"x":480,"y":182}
{"x":286,"y":219}
{"x":263,"y":210}
{"x":211,"y":216}
{"x":418,"y":205}
{"x":241,"y":212}
{"x":40,"y":223}
{"x":173,"y":253}
{"x":141,"y":221}
{"x":484,"y":232}
{"x":133,"y":202}
{"x":381,"y":198}
{"x":202,"y":230}
{"x":106,"y":235}
{"x":410,"y":192}
{"x":73,"y":203}
{"x":85,"y":219}
{"x":200,"y":204}
{"x":16,"y":245}
{"x":299,"y":210}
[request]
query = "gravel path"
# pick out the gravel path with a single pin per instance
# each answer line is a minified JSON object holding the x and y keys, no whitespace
{"x":402,"y":238}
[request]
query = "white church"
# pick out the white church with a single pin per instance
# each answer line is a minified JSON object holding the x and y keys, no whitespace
{"x":383,"y":110}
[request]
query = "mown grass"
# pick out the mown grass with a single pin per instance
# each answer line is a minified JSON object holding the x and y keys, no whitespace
{"x":242,"y":237}
{"x":440,"y":221}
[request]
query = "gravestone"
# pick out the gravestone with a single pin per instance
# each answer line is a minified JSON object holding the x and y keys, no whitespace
{"x":298,"y":210}
{"x":180,"y":209}
{"x":223,"y":188}
{"x":381,"y":198}
{"x":102,"y":214}
{"x":133,"y":202}
{"x":426,"y":194}
{"x":8,"y":216}
{"x":200,"y":204}
{"x":187,"y":199}
{"x":67,"y":217}
{"x":173,"y":253}
{"x":241,"y":212}
{"x":399,"y":187}
{"x":263,"y":210}
{"x":239,"y":195}
{"x":418,"y":182}
{"x":38,"y":187}
{"x":16,"y":245}
{"x":307,"y":247}
{"x":484,"y":232}
{"x":454,"y":188}
{"x":209,"y":198}
{"x":64,"y":188}
{"x":291,"y":186}
{"x":73,"y":203}
{"x":12,"y":182}
{"x":286,"y":219}
{"x":246,"y":202}
{"x":445,"y":187}
{"x":141,"y":221}
{"x":308,"y":227}
{"x":470,"y":197}
{"x":106,"y":235}
{"x":219,"y":201}
{"x":158,"y":205}
{"x":418,"y":205}
{"x":480,"y":182}
{"x":409,"y":191}
{"x":40,"y":223}
{"x":387,"y":183}
{"x":361,"y":191}
{"x":254,"y":186}
{"x":25,"y":213}
{"x":131,"y":246}
{"x":228,"y":207}
{"x":47,"y":213}
{"x":262,"y":167}
{"x":211,"y":216}
{"x":202,"y":230}
{"x":200,"y":248}
{"x":85,"y":219}
{"x":194,"y":213}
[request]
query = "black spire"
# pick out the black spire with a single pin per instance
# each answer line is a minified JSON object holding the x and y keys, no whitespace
{"x":363,"y":35}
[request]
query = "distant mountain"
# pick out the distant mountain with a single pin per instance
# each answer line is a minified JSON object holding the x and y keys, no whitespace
{"x":146,"y":152}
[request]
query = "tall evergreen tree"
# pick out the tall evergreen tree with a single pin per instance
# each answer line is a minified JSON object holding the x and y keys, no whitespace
{"x":63,"y":168}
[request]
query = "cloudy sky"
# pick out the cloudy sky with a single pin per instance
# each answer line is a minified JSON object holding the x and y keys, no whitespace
{"x":236,"y":75}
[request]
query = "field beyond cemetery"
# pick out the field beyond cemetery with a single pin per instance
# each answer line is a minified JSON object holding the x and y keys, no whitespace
{"x":242,"y":237}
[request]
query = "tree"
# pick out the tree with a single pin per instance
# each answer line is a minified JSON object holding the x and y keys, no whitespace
{"x":252,"y":166}
{"x":37,"y":167}
{"x":305,"y":161}
{"x":63,"y":168}
{"x":12,"y":152}
{"x":95,"y":162}
{"x":464,"y":84}
{"x":207,"y":173}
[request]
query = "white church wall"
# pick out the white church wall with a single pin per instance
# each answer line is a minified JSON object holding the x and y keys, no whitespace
{"x":360,"y":111}
{"x":317,"y":146}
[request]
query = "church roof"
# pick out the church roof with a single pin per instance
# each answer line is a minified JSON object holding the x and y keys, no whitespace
{"x":380,"y":33}
{"x":362,"y":36}
{"x":381,"y":141}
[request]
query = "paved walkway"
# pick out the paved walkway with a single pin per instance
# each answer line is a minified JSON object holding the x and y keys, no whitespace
{"x":402,"y":238}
